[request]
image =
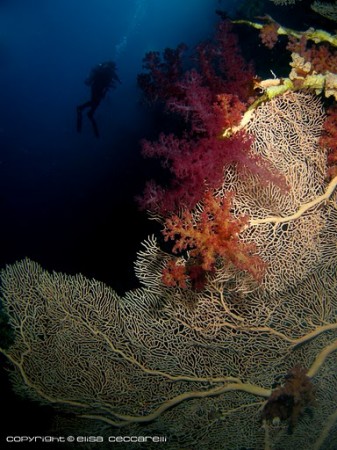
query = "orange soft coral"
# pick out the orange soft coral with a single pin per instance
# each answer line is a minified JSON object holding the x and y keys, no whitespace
{"x":174,"y":274}
{"x":215,"y":233}
{"x":322,"y":57}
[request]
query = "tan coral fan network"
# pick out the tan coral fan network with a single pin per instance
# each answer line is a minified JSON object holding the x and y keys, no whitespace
{"x":198,"y":367}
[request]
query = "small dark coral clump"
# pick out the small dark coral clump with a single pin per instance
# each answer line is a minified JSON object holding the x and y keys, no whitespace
{"x":290,"y":400}
{"x":6,"y":331}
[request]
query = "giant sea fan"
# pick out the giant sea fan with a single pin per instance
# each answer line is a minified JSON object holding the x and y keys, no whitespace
{"x":200,"y":366}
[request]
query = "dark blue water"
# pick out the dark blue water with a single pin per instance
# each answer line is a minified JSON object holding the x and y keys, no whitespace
{"x":66,"y":199}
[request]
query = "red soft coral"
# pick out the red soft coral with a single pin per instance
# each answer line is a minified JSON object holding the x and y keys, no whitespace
{"x":222,"y":65}
{"x":158,"y":82}
{"x":177,"y":274}
{"x":210,"y":101}
{"x":206,"y":113}
{"x":328,"y":140}
{"x":214,"y":234}
{"x":292,"y":399}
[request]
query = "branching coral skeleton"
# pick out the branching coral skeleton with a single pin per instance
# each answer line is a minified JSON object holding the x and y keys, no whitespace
{"x":301,"y":210}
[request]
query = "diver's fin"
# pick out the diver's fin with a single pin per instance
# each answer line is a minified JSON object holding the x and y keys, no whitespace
{"x":93,"y":122}
{"x":95,"y":128}
{"x":79,"y":119}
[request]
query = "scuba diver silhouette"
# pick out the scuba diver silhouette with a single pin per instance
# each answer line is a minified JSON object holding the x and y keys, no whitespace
{"x":101,"y":79}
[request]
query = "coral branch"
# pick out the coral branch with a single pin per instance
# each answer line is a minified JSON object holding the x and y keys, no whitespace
{"x":301,"y":210}
{"x":320,"y":359}
{"x":311,"y":34}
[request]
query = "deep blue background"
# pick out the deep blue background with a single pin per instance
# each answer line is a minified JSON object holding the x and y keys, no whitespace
{"x":66,"y":199}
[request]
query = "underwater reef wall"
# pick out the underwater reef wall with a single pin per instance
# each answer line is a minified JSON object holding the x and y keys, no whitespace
{"x":231,"y":340}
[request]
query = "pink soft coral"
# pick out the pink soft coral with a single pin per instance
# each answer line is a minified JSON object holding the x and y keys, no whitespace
{"x":197,"y":165}
{"x":323,"y":57}
{"x":197,"y":155}
{"x":269,"y":35}
{"x":209,"y":101}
